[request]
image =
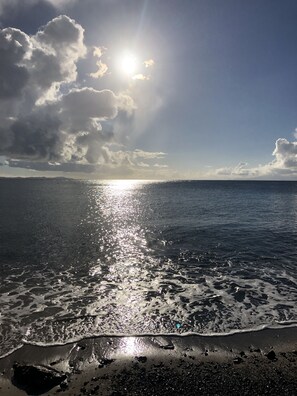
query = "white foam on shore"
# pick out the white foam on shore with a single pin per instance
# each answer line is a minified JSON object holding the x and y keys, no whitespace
{"x":182,"y":335}
{"x":148,"y":299}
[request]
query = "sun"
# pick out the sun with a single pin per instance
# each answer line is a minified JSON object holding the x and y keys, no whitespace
{"x":128,"y":64}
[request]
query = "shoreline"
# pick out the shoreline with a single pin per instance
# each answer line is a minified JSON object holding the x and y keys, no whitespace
{"x":257,"y":362}
{"x":287,"y":325}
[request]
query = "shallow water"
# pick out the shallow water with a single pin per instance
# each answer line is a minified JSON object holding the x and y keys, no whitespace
{"x":81,"y":258}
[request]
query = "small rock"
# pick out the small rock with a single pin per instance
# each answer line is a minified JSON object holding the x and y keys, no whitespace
{"x":63,"y":386}
{"x":237,"y":360}
{"x":168,"y":346}
{"x":271,"y":355}
{"x":95,"y":390}
{"x":104,"y":362}
{"x":141,"y":359}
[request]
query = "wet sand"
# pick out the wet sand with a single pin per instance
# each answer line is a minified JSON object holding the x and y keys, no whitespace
{"x":255,"y":363}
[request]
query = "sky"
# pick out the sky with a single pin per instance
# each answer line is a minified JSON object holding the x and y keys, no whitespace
{"x":148,"y":89}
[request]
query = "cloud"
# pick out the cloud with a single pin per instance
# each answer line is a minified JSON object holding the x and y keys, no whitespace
{"x":102,"y":70}
{"x":102,"y":67}
{"x":13,"y":74}
{"x":140,"y":76}
{"x":239,"y":170}
{"x":66,"y":130}
{"x":45,"y":121}
{"x":284,"y":164}
{"x":10,"y":4}
{"x":80,"y":106}
{"x":33,"y":67}
{"x":149,"y":63}
{"x":117,"y":164}
{"x":285,"y":153}
{"x":61,"y":3}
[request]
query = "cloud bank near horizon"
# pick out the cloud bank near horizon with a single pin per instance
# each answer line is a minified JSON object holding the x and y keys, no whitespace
{"x":283,"y":165}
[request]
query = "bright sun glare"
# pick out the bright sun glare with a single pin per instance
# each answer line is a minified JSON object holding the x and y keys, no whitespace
{"x":129,"y":64}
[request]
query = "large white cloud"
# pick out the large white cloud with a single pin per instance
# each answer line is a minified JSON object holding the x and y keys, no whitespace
{"x":283,"y":165}
{"x":285,"y":155}
{"x":44,"y":118}
{"x":49,"y":121}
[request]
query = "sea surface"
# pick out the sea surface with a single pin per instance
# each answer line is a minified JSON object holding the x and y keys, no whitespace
{"x":85,"y":258}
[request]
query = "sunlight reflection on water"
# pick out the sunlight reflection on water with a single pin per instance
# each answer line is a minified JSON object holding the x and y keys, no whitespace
{"x":124,"y":245}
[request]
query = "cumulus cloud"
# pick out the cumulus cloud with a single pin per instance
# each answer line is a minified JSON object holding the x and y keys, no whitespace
{"x":34,"y":66}
{"x":45,"y":121}
{"x":149,"y":63}
{"x":101,"y":71}
{"x":102,"y":68}
{"x":285,"y":153}
{"x":284,"y":164}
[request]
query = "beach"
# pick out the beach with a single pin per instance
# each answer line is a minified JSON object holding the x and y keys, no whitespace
{"x":246,"y":363}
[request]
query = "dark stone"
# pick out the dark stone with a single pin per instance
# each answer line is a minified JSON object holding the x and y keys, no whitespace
{"x":63,"y":386}
{"x":168,"y":346}
{"x":159,"y":365}
{"x":239,"y":295}
{"x":55,"y":362}
{"x":104,"y":362}
{"x":36,"y":380}
{"x":237,"y":360}
{"x":95,"y":390}
{"x":271,"y":355}
{"x":141,"y":359}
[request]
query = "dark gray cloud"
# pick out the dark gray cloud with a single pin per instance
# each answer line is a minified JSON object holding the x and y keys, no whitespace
{"x":14,"y":44}
{"x":36,"y":137}
{"x":55,"y":167}
{"x":27,"y":15}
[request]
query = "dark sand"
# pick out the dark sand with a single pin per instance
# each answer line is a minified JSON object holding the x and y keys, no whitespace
{"x":256,"y":363}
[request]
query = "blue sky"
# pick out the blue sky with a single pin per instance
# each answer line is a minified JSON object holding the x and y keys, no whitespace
{"x":218,"y":99}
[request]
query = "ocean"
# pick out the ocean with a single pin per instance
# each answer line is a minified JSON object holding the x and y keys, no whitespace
{"x":86,"y":258}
